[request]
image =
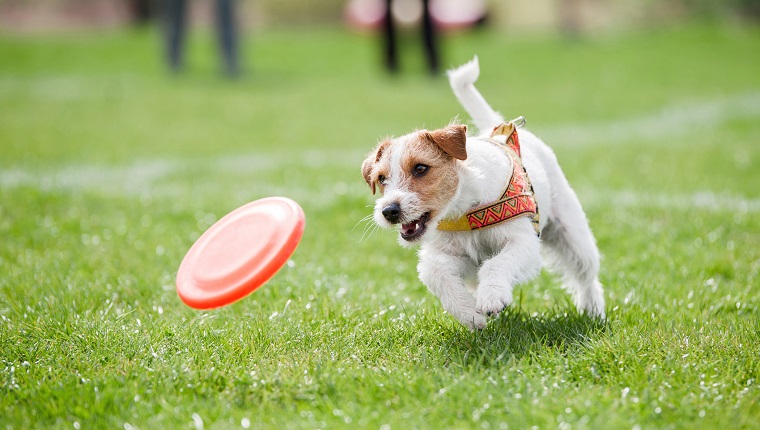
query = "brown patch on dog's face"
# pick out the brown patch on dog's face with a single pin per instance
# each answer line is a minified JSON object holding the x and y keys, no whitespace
{"x":430,"y":171}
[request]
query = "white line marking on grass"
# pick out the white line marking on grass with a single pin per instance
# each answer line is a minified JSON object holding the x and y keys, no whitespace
{"x":62,"y":87}
{"x":169,"y":179}
{"x":675,"y":119}
{"x":704,"y":201}
{"x":144,"y":175}
{"x":312,"y":158}
{"x":129,"y":179}
{"x":152,"y":180}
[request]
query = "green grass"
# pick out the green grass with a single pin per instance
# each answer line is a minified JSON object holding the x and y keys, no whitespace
{"x":110,"y":169}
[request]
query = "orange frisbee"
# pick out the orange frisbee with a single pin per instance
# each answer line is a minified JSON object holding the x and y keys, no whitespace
{"x":240,"y":252}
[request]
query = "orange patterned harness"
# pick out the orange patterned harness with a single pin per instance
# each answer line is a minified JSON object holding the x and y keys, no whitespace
{"x":516,"y":201}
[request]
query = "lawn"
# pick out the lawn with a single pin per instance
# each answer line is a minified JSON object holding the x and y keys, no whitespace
{"x":110,"y":169}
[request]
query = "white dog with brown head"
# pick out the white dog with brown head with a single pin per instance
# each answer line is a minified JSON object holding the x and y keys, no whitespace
{"x":473,"y":203}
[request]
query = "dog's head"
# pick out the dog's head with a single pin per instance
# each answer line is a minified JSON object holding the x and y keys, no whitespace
{"x":417,"y":175}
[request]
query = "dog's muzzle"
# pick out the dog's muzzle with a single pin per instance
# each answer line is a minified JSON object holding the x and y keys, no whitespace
{"x":410,"y":231}
{"x":392,"y":213}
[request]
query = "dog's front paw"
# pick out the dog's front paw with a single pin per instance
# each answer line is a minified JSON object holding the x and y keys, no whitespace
{"x":475,"y":321}
{"x":472,"y":320}
{"x":591,"y":301}
{"x":492,"y":300}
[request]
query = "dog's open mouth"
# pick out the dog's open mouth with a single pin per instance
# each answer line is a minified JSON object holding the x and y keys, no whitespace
{"x":414,"y":230}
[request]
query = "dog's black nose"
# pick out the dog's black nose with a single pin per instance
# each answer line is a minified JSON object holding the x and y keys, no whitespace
{"x":392,"y":212}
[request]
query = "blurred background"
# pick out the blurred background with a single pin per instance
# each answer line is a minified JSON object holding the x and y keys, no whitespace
{"x":128,"y":127}
{"x":516,"y":15}
{"x":214,"y":103}
{"x":187,"y":79}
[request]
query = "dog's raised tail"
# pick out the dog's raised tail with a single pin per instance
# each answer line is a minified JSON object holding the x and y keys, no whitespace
{"x":462,"y":80}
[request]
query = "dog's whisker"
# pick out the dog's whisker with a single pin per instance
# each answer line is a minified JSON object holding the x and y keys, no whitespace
{"x":368,"y":232}
{"x":373,"y":230}
{"x":367,"y":229}
{"x":366,"y":218}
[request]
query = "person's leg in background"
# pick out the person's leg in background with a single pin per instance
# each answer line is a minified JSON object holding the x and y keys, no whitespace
{"x":174,"y":23}
{"x":228,"y":35}
{"x":429,"y":38}
{"x":389,"y":39}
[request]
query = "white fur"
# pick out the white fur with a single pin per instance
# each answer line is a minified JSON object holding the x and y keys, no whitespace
{"x":500,"y":257}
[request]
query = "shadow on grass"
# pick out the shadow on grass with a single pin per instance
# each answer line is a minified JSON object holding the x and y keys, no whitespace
{"x":515,"y":334}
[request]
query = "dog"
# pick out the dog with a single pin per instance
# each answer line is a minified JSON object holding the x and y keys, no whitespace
{"x":436,"y":187}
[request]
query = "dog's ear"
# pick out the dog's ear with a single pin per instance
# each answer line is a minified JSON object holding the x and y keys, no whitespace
{"x":369,"y":164}
{"x":367,"y":171}
{"x":452,"y":140}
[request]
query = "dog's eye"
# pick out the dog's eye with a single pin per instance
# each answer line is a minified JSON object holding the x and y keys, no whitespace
{"x":420,"y":169}
{"x":381,"y":179}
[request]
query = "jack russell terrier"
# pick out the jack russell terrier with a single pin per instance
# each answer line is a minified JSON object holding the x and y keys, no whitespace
{"x":485,"y":210}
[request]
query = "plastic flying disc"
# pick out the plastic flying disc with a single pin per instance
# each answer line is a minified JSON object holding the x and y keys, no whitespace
{"x":240,"y":252}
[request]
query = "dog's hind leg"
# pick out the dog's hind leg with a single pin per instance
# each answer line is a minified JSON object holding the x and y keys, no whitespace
{"x":570,"y":249}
